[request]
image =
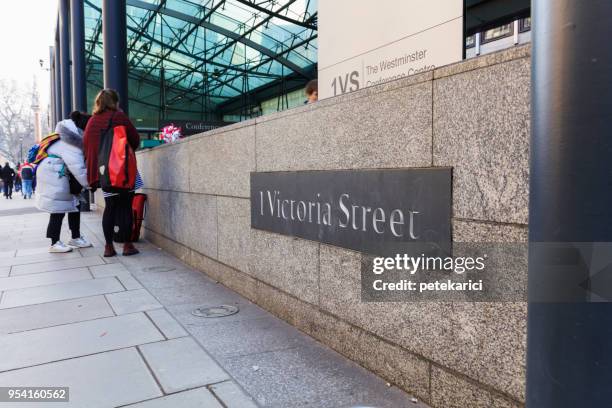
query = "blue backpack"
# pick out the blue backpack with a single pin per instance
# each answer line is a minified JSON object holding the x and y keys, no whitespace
{"x":32,"y":153}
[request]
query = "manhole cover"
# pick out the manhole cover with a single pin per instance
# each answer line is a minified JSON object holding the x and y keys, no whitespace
{"x":215,"y":311}
{"x":160,"y":268}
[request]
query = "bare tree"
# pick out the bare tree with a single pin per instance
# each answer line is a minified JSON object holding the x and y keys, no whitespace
{"x":16,"y":121}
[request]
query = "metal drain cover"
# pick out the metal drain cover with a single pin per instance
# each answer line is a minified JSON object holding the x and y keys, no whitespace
{"x":215,"y":311}
{"x":159,"y":268}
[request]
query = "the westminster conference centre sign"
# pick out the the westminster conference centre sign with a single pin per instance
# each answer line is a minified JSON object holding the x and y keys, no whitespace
{"x":364,"y":43}
{"x":193,"y":127}
{"x":372,"y":211}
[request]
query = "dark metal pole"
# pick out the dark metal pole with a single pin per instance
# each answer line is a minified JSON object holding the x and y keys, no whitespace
{"x":58,"y":81}
{"x":79,"y":84}
{"x":52,"y":84}
{"x":569,"y":335}
{"x":64,"y":35}
{"x":77,"y":46}
{"x":114,"y":31}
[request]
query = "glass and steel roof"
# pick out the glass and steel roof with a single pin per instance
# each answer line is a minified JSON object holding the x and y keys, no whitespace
{"x":202,"y":54}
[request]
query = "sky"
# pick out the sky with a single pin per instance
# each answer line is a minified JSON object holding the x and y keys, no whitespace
{"x":27,"y":29}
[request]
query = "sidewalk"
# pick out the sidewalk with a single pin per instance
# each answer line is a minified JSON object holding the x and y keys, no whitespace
{"x":119,"y":332}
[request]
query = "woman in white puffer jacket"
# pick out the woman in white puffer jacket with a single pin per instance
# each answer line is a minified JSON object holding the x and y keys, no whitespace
{"x":53,"y":195}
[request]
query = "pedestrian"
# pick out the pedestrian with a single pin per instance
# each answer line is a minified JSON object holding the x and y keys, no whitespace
{"x":118,"y":206}
{"x":61,"y":177}
{"x":8,"y":176}
{"x":18,"y":178}
{"x":27,"y":176}
{"x":312,"y":91}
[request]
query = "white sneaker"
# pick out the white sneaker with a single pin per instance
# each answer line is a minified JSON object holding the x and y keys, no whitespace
{"x":79,"y":242}
{"x":59,"y":247}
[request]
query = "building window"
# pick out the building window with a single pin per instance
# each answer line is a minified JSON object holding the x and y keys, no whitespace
{"x":497,"y":33}
{"x":524,"y":24}
{"x":470,"y":41}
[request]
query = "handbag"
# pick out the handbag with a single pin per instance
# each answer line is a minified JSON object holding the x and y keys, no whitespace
{"x":74,"y":185}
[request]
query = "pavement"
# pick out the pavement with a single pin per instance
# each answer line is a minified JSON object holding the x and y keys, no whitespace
{"x":119,"y":332}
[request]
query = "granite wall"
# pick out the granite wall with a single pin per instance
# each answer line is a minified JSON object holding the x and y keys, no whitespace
{"x":473,"y":116}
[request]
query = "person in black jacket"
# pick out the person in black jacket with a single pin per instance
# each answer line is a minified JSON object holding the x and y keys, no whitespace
{"x":8,"y":176}
{"x":17,"y":186}
{"x":27,"y":176}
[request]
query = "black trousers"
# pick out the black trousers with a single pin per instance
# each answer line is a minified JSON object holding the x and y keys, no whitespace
{"x":54,"y":228}
{"x":118,"y":212}
{"x":8,"y":189}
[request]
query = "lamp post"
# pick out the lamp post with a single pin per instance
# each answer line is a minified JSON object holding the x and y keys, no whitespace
{"x":36,"y":112}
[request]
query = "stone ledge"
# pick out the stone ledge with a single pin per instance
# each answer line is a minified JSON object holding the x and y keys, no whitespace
{"x":341,"y":99}
{"x":509,"y":54}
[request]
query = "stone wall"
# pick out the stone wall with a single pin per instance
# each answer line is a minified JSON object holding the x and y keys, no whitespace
{"x":473,"y":116}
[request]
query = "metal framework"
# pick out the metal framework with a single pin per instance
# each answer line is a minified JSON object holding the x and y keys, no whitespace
{"x":200,"y":56}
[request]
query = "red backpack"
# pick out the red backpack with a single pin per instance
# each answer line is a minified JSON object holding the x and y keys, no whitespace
{"x":116,"y":160}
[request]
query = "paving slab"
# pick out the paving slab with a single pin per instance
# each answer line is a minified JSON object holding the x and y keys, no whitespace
{"x":180,"y":364}
{"x":128,"y":282}
{"x":232,"y":395}
{"x":102,"y":380}
{"x":311,"y":376}
{"x":56,"y":265}
{"x":248,"y":336}
{"x":29,"y":234}
{"x":132,"y":301}
{"x":170,"y":328}
{"x":60,"y":291}
{"x":174,"y":278}
{"x":117,"y":270}
{"x":29,"y":251}
{"x":202,"y":294}
{"x":150,"y":258}
{"x":21,"y":243}
{"x":37,"y":258}
{"x":200,"y":397}
{"x":41,"y":346}
{"x":7,"y":254}
{"x":106,"y":270}
{"x":96,"y":250}
{"x":4,"y":271}
{"x":45,"y":278}
{"x":32,"y":317}
{"x":247,"y":311}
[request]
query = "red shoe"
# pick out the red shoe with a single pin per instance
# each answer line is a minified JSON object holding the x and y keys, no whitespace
{"x":129,"y":249}
{"x":109,"y":250}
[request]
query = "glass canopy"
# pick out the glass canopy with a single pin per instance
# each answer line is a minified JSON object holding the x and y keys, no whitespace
{"x":208,"y":57}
